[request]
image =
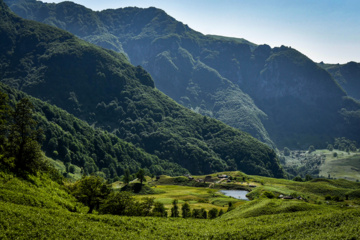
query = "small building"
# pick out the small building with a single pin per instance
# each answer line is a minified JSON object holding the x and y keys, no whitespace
{"x":222,"y":176}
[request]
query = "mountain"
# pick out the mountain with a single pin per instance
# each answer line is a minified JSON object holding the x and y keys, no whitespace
{"x":75,"y":142}
{"x":151,"y":38}
{"x":101,"y":87}
{"x":347,"y":75}
{"x":278,"y":95}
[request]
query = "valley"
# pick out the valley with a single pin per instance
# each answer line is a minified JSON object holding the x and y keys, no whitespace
{"x":128,"y":124}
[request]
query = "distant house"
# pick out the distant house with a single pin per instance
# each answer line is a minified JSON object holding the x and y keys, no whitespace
{"x":222,"y":176}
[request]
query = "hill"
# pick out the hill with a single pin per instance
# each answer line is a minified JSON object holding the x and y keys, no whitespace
{"x":347,"y":75}
{"x":46,"y":210}
{"x":104,"y":89}
{"x":278,"y":95}
{"x":75,"y":142}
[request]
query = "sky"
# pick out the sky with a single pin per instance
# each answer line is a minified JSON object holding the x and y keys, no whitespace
{"x":323,"y":30}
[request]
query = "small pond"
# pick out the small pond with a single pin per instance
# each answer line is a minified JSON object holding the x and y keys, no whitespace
{"x":238,"y":194}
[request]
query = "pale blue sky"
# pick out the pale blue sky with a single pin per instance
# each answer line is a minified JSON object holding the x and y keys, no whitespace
{"x":324,"y":30}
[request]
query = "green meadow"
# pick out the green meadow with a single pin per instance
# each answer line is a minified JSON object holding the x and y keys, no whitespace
{"x":39,"y":208}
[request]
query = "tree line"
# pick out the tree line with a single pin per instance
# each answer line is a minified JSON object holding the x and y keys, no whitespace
{"x":95,"y":193}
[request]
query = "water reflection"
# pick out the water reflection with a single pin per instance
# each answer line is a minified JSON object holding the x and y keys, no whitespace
{"x":239,"y":194}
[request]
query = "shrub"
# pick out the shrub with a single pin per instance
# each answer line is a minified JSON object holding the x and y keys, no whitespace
{"x":269,"y":194}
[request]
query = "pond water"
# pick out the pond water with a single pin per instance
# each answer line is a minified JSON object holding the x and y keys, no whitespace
{"x":239,"y":194}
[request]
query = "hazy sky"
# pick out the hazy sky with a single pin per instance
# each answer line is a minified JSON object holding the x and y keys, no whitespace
{"x":324,"y":30}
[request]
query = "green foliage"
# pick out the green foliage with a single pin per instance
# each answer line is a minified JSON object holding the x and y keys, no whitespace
{"x":344,"y":144}
{"x":199,"y":213}
{"x":126,"y":177}
{"x":213,"y":213}
{"x":311,"y":149}
{"x":90,"y":190}
{"x":159,"y":210}
{"x":75,"y":142}
{"x":298,"y":179}
{"x":46,"y":210}
{"x":330,"y":147}
{"x":268,"y":194}
{"x":141,"y":175}
{"x":120,"y":203}
{"x":175,"y":209}
{"x":20,"y":150}
{"x":185,"y":210}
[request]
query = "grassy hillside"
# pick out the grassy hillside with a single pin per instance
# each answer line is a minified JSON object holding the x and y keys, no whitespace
{"x":103,"y":88}
{"x":259,"y":219}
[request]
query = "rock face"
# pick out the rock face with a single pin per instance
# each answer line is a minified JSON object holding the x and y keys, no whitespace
{"x":277,"y":95}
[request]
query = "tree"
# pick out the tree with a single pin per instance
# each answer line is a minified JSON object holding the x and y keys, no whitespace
{"x":298,"y":179}
{"x":308,"y":177}
{"x":120,"y":203}
{"x":203,"y":213}
{"x":24,"y":137}
{"x":159,"y":210}
{"x":213,"y":213}
{"x":231,"y":207}
{"x":286,"y":151}
{"x":141,"y":175}
{"x":5,"y":113}
{"x":186,"y":212}
{"x":221,"y":212}
{"x":145,"y":206}
{"x":126,"y":177}
{"x":311,"y":149}
{"x":91,"y":190}
{"x":330,"y":147}
{"x":175,"y":209}
{"x":6,"y":161}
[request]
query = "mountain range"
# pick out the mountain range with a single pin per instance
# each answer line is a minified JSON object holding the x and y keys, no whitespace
{"x":133,"y":124}
{"x":278,"y":95}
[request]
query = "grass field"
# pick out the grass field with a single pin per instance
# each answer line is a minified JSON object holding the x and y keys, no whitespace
{"x":197,"y":197}
{"x":345,"y":165}
{"x":41,"y":209}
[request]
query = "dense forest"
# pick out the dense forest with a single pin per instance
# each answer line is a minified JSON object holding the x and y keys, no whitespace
{"x":278,"y":95}
{"x":103,"y":88}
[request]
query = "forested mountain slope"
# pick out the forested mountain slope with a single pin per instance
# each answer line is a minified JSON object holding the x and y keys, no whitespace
{"x":75,"y":142}
{"x":347,"y":75}
{"x":276,"y":94}
{"x":103,"y":88}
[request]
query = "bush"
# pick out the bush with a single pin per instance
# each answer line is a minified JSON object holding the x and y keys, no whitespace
{"x":268,"y":194}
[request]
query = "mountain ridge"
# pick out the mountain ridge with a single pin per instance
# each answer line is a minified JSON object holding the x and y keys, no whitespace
{"x":103,"y":88}
{"x":225,"y":78}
